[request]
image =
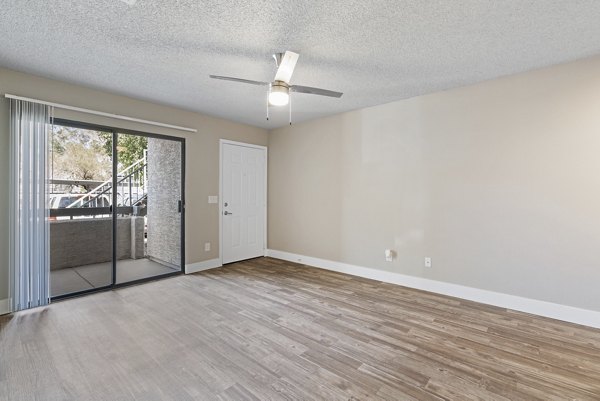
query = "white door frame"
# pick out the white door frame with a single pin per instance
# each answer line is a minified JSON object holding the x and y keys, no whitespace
{"x":248,"y":145}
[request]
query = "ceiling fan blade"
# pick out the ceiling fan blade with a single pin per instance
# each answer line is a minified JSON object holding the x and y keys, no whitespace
{"x":286,"y":66}
{"x":315,"y":91}
{"x":244,"y":81}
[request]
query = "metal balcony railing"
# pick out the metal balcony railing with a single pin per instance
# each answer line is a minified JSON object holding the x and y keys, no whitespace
{"x":131,"y":187}
{"x":90,"y":211}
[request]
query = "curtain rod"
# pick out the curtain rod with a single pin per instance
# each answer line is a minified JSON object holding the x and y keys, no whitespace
{"x":100,"y":113}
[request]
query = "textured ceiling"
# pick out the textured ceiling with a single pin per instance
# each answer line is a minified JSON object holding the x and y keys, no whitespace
{"x":373,"y":51}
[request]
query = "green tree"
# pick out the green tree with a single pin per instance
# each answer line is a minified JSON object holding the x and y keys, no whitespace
{"x":130,"y":148}
{"x":79,"y":162}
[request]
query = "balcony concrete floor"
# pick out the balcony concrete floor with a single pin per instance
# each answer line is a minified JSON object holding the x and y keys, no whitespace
{"x":81,"y":278}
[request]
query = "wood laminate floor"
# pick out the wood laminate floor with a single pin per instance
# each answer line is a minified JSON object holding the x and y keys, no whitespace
{"x":266,"y":329}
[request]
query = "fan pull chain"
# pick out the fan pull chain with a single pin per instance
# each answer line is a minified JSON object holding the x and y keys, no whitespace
{"x":267,"y":105}
{"x":290,"y":97}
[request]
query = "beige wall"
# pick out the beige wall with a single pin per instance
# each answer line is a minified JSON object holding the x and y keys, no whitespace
{"x":202,"y":161}
{"x":499,"y":183}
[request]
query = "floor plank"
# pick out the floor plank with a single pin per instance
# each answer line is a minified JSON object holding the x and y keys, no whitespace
{"x":266,"y":329}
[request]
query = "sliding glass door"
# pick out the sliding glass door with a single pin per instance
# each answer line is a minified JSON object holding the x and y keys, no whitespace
{"x":116,"y":207}
{"x":149,"y":223}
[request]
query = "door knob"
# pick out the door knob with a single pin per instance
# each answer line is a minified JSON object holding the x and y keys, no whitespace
{"x":226,"y":213}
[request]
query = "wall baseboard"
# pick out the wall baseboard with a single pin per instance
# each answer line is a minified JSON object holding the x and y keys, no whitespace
{"x":204,"y":265}
{"x":542,"y":308}
{"x":4,"y":306}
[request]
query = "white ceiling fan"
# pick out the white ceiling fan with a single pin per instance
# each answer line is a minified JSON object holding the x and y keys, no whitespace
{"x":279,"y":90}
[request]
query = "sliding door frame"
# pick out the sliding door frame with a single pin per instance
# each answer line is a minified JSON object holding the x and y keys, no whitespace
{"x":115,"y":132}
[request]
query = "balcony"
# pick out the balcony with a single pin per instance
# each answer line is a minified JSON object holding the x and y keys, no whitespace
{"x":81,"y":249}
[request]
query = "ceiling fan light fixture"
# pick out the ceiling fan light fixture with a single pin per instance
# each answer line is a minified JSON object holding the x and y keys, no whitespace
{"x":279,"y":95}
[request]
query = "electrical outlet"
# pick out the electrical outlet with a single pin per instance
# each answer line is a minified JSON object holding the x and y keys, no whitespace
{"x":389,"y":255}
{"x":206,"y":246}
{"x":427,"y":262}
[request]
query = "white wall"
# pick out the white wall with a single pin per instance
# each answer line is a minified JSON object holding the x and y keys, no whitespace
{"x":202,"y":161}
{"x":498,"y":182}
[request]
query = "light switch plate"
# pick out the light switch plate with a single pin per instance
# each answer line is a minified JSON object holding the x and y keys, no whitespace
{"x":213,"y":199}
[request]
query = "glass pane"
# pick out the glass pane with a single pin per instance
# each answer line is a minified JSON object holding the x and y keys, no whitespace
{"x":79,"y":199}
{"x":148,"y":219}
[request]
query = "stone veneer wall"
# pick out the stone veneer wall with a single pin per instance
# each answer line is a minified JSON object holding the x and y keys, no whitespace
{"x":164,"y":193}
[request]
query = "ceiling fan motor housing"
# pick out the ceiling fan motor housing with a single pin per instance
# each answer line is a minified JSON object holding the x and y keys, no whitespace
{"x":279,"y":86}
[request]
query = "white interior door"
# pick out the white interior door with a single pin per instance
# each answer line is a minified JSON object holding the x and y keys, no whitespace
{"x":242,"y":202}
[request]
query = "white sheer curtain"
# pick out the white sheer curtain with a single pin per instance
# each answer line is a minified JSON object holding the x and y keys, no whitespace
{"x":29,"y":225}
